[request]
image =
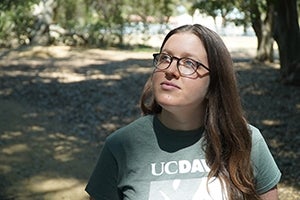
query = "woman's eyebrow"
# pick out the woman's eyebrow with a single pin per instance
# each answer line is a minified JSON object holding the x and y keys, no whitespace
{"x":185,"y":54}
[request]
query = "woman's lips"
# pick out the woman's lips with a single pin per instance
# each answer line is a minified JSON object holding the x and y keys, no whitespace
{"x":169,"y":85}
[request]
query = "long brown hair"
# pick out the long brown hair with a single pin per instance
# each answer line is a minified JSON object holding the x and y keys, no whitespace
{"x":227,"y":140}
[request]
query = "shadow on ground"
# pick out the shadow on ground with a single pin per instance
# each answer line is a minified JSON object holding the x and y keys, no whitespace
{"x":56,"y":111}
{"x":275,"y":109}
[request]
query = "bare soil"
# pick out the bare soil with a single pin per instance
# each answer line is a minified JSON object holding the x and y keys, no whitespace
{"x":58,"y":104}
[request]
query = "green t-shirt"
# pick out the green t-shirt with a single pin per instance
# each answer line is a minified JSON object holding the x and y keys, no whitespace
{"x":147,"y":161}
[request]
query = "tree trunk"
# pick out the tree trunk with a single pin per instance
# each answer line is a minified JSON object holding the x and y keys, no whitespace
{"x":44,"y":13}
{"x":287,"y":36}
{"x":262,"y":25}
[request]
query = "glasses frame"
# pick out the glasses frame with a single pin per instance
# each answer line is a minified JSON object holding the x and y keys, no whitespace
{"x":199,"y":64}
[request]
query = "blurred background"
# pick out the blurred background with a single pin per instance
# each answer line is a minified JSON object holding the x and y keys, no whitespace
{"x":71,"y":72}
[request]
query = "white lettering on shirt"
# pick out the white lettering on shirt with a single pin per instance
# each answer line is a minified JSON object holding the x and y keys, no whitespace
{"x":179,"y":167}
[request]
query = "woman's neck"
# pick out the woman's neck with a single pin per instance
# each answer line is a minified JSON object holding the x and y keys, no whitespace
{"x":181,"y":120}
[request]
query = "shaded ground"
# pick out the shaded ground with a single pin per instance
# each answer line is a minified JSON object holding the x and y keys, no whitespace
{"x":57,"y":105}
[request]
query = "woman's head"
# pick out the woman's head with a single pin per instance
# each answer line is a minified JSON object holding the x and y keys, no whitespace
{"x":180,"y":79}
{"x":210,"y":51}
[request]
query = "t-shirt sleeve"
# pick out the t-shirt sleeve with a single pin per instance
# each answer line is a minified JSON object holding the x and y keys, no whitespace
{"x":266,"y":172}
{"x":102,"y":184}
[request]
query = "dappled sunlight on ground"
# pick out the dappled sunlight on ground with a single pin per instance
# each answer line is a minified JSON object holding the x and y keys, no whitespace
{"x":47,"y":187}
{"x":38,"y":164}
{"x":59,"y":188}
{"x":68,"y":61}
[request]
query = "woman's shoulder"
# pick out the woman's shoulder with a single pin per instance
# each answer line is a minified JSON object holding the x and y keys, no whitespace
{"x":133,"y":129}
{"x":255,"y":134}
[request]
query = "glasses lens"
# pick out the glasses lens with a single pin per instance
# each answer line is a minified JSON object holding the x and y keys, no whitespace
{"x":162,"y":61}
{"x":187,"y":66}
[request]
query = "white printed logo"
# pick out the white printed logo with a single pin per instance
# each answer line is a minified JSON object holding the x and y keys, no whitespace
{"x":186,"y":189}
{"x":179,"y":167}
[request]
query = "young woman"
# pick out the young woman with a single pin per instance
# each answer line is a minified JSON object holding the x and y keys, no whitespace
{"x":193,"y":141}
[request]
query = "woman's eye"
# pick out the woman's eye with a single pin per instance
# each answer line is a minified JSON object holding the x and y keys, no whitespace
{"x":165,"y":58}
{"x":189,"y":63}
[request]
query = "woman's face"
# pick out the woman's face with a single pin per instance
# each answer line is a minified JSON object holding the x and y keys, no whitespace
{"x":173,"y":91}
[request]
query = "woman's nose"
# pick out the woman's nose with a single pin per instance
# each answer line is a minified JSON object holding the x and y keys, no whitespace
{"x":172,"y":71}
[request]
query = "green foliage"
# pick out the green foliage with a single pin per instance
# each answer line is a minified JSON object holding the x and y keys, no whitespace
{"x":214,"y":7}
{"x":16,"y":21}
{"x":6,"y":5}
{"x":94,"y":22}
{"x":224,"y":8}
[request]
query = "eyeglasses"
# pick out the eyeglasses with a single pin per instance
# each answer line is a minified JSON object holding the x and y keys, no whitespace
{"x":185,"y":66}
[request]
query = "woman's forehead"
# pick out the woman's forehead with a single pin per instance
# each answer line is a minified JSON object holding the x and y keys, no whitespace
{"x":185,"y":44}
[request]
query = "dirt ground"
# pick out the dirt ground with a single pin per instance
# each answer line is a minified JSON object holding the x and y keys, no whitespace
{"x":58,"y":104}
